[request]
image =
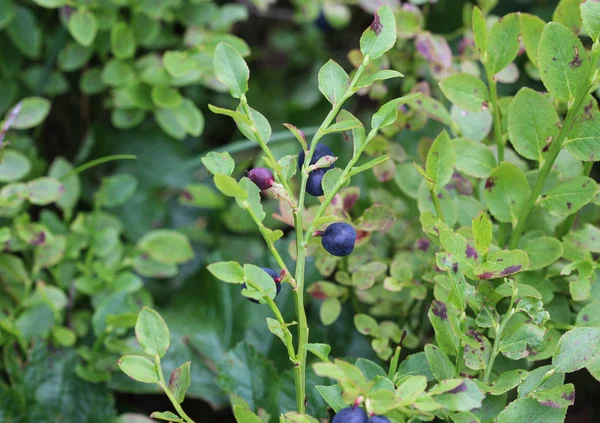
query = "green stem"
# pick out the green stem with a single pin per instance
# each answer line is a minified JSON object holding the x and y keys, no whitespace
{"x":496,"y":113}
{"x":565,"y":228}
{"x":499,"y":330}
{"x":96,"y":162}
{"x":289,"y":343}
{"x":165,"y":388}
{"x":301,"y":242}
{"x":437,"y":204}
{"x":394,"y":363}
{"x":554,"y":150}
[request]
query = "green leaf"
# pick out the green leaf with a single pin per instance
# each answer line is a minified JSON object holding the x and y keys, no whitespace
{"x":503,"y":263}
{"x":231,"y":69}
{"x":178,"y":63}
{"x":542,"y":251}
{"x":14,"y":166}
{"x":441,"y":160}
{"x":480,"y":30}
{"x":168,"y":122}
{"x":122,"y":41}
{"x":534,"y":381}
{"x":179,"y":382}
{"x":45,"y":190}
{"x":118,"y":73}
{"x":258,"y":283}
{"x":590,"y":14}
{"x":441,"y":366}
{"x":166,"y":415}
{"x":474,"y":158}
{"x":330,"y":180}
{"x":252,"y":198}
{"x":165,"y":97}
{"x":166,"y":246}
{"x":561,"y":60}
{"x":531,"y":32}
{"x":532,"y":124}
{"x":32,"y":112}
{"x":83,"y":26}
{"x":247,"y":373}
{"x":433,"y":108}
{"x":557,"y":397}
{"x":229,"y":186}
{"x":333,"y":81}
{"x":482,"y":232}
{"x":381,"y":35}
{"x":139,"y":368}
{"x":320,"y":350}
{"x":508,"y":381}
{"x":506,"y":192}
{"x":569,"y":196}
{"x":583,"y":141}
{"x":463,"y":397}
{"x":567,"y":13}
{"x":190,"y":118}
{"x":244,"y":415}
{"x":118,"y":189}
{"x":367,"y":80}
{"x":219,"y":163}
{"x":444,"y":323}
{"x":260,"y":124}
{"x":50,"y":4}
{"x":25,"y":32}
{"x":576,"y":349}
{"x":366,"y":325}
{"x":524,"y":408}
{"x":152,"y":332}
{"x":227,"y":271}
{"x":466,"y":91}
{"x":503,"y":42}
{"x":330,"y":311}
{"x":388,"y":113}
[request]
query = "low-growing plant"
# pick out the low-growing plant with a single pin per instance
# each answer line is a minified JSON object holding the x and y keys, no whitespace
{"x":500,"y":273}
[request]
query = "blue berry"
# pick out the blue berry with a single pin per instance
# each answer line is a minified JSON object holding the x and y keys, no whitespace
{"x":275,"y":277}
{"x":263,"y":178}
{"x":321,"y":150}
{"x":339,"y":238}
{"x":350,"y":415}
{"x":313,"y":185}
{"x":379,"y":419}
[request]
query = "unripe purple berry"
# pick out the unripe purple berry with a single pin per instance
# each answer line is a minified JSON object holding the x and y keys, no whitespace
{"x":262,"y":177}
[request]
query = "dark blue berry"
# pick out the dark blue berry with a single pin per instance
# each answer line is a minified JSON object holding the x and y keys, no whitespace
{"x":339,"y":238}
{"x":350,"y":415}
{"x":263,"y":178}
{"x":379,"y":419}
{"x":321,"y":150}
{"x":275,"y":277}
{"x":313,"y":185}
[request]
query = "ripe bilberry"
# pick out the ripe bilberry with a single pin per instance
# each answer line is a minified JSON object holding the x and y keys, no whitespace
{"x":313,"y":185}
{"x":321,"y":150}
{"x":263,"y":178}
{"x":339,"y":238}
{"x":275,"y":277}
{"x":379,"y":419}
{"x":350,"y":415}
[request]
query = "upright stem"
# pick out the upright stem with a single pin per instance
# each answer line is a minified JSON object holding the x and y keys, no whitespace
{"x":496,"y":112}
{"x":499,"y":330}
{"x":555,"y":148}
{"x":300,"y":368}
{"x":437,"y":205}
{"x":570,"y":221}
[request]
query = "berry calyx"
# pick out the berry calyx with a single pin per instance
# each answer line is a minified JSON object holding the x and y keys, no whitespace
{"x":339,"y":239}
{"x":379,"y":419}
{"x":321,"y":150}
{"x":262,"y":177}
{"x":275,"y":277}
{"x":350,"y":415}
{"x":315,"y":179}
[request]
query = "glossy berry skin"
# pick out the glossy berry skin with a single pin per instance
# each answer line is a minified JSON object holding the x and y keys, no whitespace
{"x":263,"y":178}
{"x":350,"y":415}
{"x":275,"y":277}
{"x":313,"y":185}
{"x":339,"y":239}
{"x":321,"y":150}
{"x":379,"y":419}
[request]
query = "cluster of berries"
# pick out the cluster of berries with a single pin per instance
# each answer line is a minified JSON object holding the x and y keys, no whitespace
{"x":357,"y":415}
{"x":339,"y":238}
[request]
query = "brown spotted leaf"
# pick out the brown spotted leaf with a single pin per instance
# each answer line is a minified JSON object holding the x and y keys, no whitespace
{"x":503,"y":263}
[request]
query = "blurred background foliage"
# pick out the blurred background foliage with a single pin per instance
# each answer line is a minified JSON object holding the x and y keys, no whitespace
{"x":135,"y":77}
